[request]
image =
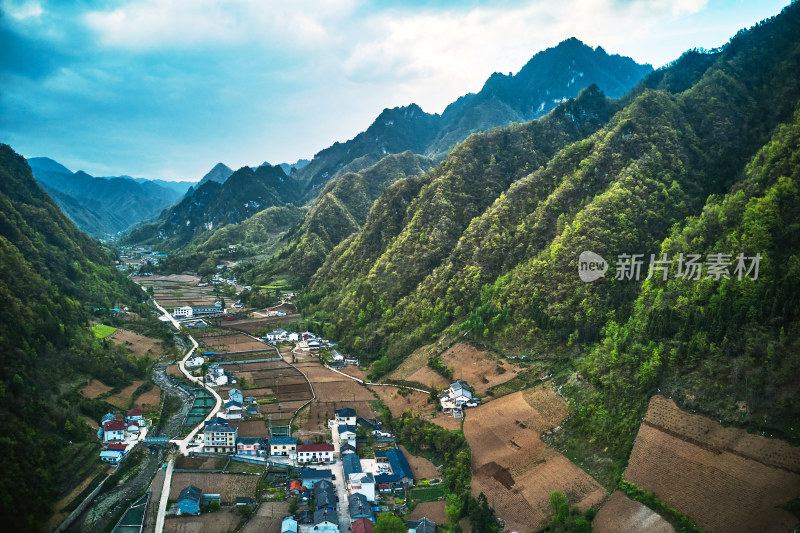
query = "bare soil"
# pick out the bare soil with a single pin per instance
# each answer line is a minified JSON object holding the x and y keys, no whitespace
{"x":398,"y":404}
{"x":139,"y":345}
{"x":123,"y":398}
{"x":421,"y":467}
{"x":432,"y":510}
{"x":94,"y":388}
{"x":620,"y":513}
{"x":224,"y":520}
{"x":150,"y":400}
{"x":514,"y":468}
{"x":723,"y":478}
{"x":268,"y":518}
{"x":228,"y":486}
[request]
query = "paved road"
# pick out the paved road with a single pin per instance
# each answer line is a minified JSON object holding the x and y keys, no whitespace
{"x":341,"y":488}
{"x":183,"y":444}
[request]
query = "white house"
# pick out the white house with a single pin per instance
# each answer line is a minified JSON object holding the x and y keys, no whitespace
{"x":458,"y":396}
{"x":195,"y":362}
{"x":113,"y":430}
{"x":315,"y":453}
{"x":182,"y":312}
{"x":216,"y":376}
{"x":345,"y":416}
{"x":111,"y":456}
{"x":362,"y":483}
{"x":347,"y":433}
{"x":289,"y":525}
{"x":233,"y":410}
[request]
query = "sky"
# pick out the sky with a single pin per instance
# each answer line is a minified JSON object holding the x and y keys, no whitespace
{"x":167,"y":88}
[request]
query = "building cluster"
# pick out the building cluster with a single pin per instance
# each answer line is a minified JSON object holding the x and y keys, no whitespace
{"x":188,"y":311}
{"x":138,"y":259}
{"x":120,"y":434}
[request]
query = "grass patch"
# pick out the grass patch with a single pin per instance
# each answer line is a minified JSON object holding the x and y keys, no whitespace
{"x":427,"y":494}
{"x":101,"y":331}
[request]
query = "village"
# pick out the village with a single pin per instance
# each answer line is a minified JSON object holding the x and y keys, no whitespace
{"x":248,"y":455}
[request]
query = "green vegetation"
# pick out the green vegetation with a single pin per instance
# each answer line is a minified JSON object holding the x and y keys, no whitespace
{"x":339,"y":210}
{"x":701,"y":158}
{"x":566,"y":519}
{"x":53,"y":278}
{"x":450,"y":449}
{"x":101,"y":331}
{"x":427,"y":494}
{"x":389,"y":523}
{"x":681,"y":522}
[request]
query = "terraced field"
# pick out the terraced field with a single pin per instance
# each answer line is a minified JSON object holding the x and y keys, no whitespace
{"x":723,"y":478}
{"x":514,"y":468}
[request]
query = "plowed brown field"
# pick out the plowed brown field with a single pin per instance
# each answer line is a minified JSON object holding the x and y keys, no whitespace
{"x":723,"y":478}
{"x":514,"y":468}
{"x":620,"y":513}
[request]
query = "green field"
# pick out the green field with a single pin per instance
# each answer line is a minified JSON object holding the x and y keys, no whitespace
{"x":427,"y":494}
{"x":101,"y":331}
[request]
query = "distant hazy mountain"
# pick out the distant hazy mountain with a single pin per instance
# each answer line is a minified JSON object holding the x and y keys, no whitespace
{"x":179,"y":187}
{"x":287,"y":168}
{"x":219,"y":174}
{"x":101,"y":207}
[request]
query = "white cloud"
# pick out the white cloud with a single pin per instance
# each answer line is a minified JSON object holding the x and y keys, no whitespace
{"x":22,"y":10}
{"x":155,"y":24}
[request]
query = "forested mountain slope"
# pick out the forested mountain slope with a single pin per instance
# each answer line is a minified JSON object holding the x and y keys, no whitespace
{"x":488,"y":243}
{"x":339,"y":211}
{"x":246,"y":192}
{"x":52,"y":276}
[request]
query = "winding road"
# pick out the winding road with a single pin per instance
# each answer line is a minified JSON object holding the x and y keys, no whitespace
{"x":183,"y":443}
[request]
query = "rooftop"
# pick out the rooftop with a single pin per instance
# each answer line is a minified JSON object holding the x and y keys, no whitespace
{"x":399,"y":464}
{"x":315,"y":448}
{"x":345,"y":412}
{"x":284,"y":441}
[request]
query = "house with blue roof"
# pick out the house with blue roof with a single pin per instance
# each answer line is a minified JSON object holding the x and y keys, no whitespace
{"x":359,"y":507}
{"x":347,"y":432}
{"x":326,"y":521}
{"x":282,"y":446}
{"x":324,"y":495}
{"x":351,"y":464}
{"x":189,"y":500}
{"x":399,"y":469}
{"x":236,"y":396}
{"x":309,"y":477}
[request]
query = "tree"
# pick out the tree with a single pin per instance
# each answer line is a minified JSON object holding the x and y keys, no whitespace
{"x":389,"y":523}
{"x":453,"y":506}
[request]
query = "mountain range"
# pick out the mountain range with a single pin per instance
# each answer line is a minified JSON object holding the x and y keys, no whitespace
{"x":550,"y":77}
{"x":53,"y":277}
{"x":102,"y":207}
{"x":699,"y":158}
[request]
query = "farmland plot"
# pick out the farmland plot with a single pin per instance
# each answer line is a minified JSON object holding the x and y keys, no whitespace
{"x":514,"y":468}
{"x":334,"y":391}
{"x":723,"y":478}
{"x":228,"y":486}
{"x":620,"y":513}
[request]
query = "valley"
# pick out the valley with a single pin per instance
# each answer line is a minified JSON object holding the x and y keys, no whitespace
{"x":566,"y":302}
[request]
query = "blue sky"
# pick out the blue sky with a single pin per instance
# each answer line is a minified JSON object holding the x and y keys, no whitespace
{"x":167,"y":88}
